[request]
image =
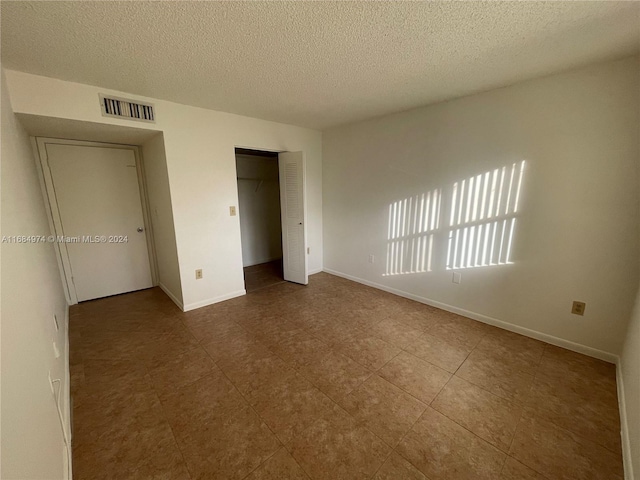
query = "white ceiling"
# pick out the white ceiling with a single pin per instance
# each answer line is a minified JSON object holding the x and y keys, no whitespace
{"x":315,"y":64}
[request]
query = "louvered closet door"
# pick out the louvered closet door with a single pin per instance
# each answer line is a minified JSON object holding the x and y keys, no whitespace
{"x":293,"y":222}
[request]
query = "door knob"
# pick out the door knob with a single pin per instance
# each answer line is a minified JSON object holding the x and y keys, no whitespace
{"x":139,"y":229}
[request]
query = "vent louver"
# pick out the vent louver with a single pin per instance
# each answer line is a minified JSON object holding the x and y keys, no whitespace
{"x":123,"y":108}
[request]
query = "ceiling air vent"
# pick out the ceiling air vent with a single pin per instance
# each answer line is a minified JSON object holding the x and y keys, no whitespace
{"x":123,"y":108}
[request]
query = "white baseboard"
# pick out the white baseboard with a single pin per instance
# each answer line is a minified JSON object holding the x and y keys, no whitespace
{"x":171,"y":296}
{"x":559,"y":342}
{"x":211,"y":301}
{"x":260,"y":262}
{"x":317,"y":270}
{"x":624,"y":426}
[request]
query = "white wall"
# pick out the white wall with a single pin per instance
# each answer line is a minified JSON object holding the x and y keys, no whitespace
{"x":164,"y":236}
{"x":199,"y":147}
{"x":31,"y":439}
{"x":577,"y":228}
{"x":259,"y":209}
{"x":629,"y":394}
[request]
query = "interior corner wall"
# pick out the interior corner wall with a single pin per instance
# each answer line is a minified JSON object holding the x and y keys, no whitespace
{"x":259,"y":209}
{"x":161,"y":214}
{"x":576,"y":235}
{"x":200,"y":151}
{"x":32,"y":442}
{"x":629,"y":388}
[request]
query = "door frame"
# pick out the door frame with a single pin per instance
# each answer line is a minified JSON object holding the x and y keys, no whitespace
{"x":304,"y":199}
{"x":53,"y":212}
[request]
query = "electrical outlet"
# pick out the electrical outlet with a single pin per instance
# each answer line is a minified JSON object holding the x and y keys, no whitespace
{"x":372,"y":258}
{"x":578,"y":308}
{"x":457,"y":278}
{"x":198,"y":274}
{"x":232,"y":211}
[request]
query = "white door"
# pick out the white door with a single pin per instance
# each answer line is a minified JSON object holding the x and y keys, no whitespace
{"x":294,"y":256}
{"x":99,"y":204}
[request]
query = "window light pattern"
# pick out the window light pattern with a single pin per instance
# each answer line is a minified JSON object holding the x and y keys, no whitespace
{"x":412,"y":223}
{"x":483,"y":218}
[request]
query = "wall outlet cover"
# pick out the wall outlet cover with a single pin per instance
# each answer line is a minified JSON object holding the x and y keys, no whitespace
{"x":578,"y":308}
{"x":457,"y":278}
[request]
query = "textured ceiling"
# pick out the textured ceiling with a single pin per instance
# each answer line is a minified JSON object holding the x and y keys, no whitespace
{"x":315,"y":64}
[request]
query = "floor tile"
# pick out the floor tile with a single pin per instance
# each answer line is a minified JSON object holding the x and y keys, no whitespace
{"x":397,"y":468}
{"x":490,"y":372}
{"x":370,"y":352}
{"x":235,"y":347}
{"x":383,"y":408}
{"x":442,"y":449}
{"x":335,"y":447}
{"x":575,"y":365}
{"x":417,"y":377}
{"x":231,"y":449}
{"x":514,"y":470}
{"x":335,"y":374}
{"x":460,"y":332}
{"x":137,"y":452}
{"x":281,"y":466}
{"x":334,"y":333}
{"x":255,"y":369}
{"x":301,"y":349}
{"x":394,"y":332}
{"x":579,"y":406}
{"x":422,"y":319}
{"x":558,"y":454}
{"x":438,"y":352}
{"x":520,"y":352}
{"x":289,"y":405}
{"x":219,"y":434}
{"x":161,"y":347}
{"x":175,"y":371}
{"x":208,"y":330}
{"x":106,"y":411}
{"x":488,"y":416}
{"x":263,"y":275}
{"x":160,"y":393}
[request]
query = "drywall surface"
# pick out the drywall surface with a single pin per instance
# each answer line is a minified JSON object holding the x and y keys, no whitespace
{"x":32,"y":445}
{"x":629,"y":390}
{"x":164,"y":236}
{"x":576,"y":227}
{"x":259,"y":209}
{"x":199,"y":148}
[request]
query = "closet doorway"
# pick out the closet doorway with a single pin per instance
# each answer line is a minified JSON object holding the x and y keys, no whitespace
{"x":260,"y":218}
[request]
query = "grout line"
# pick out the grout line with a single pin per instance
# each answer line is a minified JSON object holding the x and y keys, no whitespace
{"x":254,"y":411}
{"x":265,"y":460}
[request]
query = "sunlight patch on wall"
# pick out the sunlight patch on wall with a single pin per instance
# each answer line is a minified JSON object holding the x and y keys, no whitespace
{"x":412,"y":223}
{"x":483,"y":218}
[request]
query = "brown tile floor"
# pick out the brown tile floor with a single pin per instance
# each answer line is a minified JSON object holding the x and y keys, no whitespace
{"x":263,"y":275}
{"x":331,"y":381}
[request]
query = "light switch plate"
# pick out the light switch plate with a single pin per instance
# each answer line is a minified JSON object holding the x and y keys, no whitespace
{"x":232,"y":210}
{"x":457,"y":278}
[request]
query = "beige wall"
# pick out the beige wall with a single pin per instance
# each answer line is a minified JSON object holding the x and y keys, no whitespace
{"x":577,"y":228}
{"x":199,"y":147}
{"x":164,"y":236}
{"x":629,"y":388}
{"x":32,"y":445}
